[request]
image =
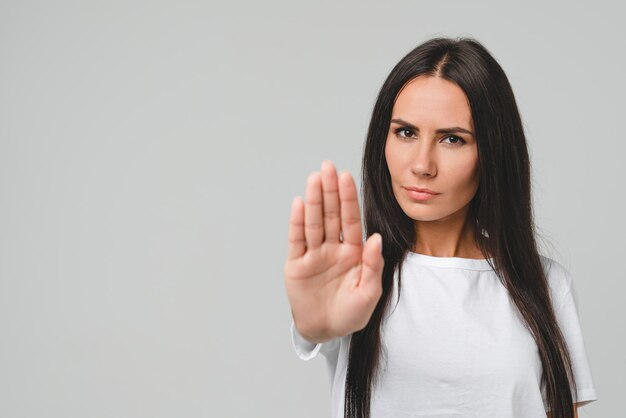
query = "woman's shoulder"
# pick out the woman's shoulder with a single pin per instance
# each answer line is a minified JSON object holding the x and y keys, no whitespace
{"x":558,"y":277}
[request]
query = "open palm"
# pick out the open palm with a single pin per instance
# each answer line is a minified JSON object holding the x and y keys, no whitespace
{"x":333,"y":280}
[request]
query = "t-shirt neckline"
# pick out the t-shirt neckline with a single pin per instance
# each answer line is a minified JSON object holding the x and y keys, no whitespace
{"x":450,"y":262}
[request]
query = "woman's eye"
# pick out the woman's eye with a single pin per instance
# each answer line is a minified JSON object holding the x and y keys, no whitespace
{"x":460,"y":141}
{"x":456,"y":141}
{"x":399,"y":130}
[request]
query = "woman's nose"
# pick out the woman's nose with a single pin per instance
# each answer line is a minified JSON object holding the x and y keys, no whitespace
{"x":424,"y":163}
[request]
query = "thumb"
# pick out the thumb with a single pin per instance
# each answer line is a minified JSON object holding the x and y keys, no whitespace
{"x":372,"y":266}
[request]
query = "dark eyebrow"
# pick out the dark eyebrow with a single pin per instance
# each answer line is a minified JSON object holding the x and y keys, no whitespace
{"x":452,"y":130}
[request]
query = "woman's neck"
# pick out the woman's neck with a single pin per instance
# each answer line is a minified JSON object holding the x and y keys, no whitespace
{"x":450,"y":237}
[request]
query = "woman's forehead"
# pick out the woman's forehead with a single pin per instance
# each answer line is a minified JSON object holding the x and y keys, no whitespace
{"x":433,"y":92}
{"x":433,"y":101}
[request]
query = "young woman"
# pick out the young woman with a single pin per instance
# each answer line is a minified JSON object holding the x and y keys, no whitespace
{"x":447,"y":309}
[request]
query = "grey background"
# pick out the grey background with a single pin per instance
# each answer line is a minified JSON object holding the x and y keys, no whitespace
{"x":149,"y":153}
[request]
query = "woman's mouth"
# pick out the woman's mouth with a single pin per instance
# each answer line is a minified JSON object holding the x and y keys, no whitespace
{"x":420,"y":195}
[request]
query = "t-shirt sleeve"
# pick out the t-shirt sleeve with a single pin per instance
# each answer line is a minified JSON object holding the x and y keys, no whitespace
{"x":568,"y":319}
{"x":307,"y":350}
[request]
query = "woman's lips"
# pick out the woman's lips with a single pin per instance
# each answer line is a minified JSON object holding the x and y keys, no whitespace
{"x":420,"y":196}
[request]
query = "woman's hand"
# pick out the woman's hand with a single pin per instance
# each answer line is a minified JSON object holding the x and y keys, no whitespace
{"x":333,"y":281}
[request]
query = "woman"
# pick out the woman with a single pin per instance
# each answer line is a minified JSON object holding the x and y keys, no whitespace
{"x":481,"y":324}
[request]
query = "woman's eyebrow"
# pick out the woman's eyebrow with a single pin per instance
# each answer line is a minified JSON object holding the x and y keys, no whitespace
{"x":452,"y":130}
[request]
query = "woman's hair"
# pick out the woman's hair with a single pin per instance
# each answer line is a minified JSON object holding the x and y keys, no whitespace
{"x":501,"y":212}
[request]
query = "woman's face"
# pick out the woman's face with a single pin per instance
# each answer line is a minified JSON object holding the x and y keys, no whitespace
{"x":420,"y":154}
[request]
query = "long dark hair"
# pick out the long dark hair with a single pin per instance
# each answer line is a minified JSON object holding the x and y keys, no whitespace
{"x":501,"y":211}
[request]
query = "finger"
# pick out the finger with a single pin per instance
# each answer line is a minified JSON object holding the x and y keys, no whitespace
{"x":350,"y":212}
{"x":313,"y":222}
{"x":372,"y":267}
{"x":330,"y":188}
{"x":297,"y":242}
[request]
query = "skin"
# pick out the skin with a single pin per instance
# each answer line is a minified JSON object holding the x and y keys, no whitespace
{"x":443,"y":162}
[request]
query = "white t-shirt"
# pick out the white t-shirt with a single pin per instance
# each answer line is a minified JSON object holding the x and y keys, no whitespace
{"x":456,"y":345}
